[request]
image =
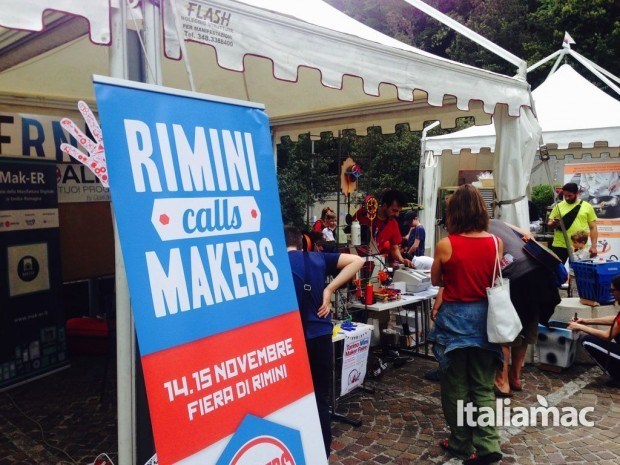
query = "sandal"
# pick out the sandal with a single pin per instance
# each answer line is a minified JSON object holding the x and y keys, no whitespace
{"x":516,"y":386}
{"x":475,"y":459}
{"x":472,"y":460}
{"x":502,"y":394}
{"x":445,"y":445}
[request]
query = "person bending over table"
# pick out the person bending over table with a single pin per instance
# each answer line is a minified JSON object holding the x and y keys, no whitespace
{"x":601,"y":344}
{"x":534,"y":296}
{"x":321,"y":223}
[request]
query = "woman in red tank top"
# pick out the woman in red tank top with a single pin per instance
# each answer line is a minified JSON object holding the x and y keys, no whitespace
{"x":463,"y":267}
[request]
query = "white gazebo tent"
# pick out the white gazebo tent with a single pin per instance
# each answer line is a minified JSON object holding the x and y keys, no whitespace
{"x":573,"y":114}
{"x":313,"y":67}
{"x":571,"y":111}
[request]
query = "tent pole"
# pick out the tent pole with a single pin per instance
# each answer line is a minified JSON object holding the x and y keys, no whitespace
{"x":585,"y":62}
{"x":556,"y":64}
{"x":152,"y":42}
{"x":602,"y":70}
{"x":545,"y":60}
{"x":480,"y":40}
{"x":421,"y":167}
{"x":118,"y":67}
{"x":179,"y":30}
{"x":128,"y":420}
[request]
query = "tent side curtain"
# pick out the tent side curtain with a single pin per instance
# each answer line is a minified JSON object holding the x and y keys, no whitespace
{"x":262,"y":29}
{"x":29,"y":15}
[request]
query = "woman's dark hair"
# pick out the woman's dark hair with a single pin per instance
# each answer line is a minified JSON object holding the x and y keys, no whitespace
{"x":615,"y":282}
{"x":466,"y":211}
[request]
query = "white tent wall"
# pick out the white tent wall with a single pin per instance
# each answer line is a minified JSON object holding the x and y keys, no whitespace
{"x":452,"y":163}
{"x":431,"y":174}
{"x":579,"y":122}
{"x":572,"y":111}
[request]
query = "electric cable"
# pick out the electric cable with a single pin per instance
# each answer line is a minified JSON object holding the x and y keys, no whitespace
{"x":105,"y":457}
{"x":51,"y":446}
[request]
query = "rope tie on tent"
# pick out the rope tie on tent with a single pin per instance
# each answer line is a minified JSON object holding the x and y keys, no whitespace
{"x":509,"y":202}
{"x":500,"y":203}
{"x":430,"y":161}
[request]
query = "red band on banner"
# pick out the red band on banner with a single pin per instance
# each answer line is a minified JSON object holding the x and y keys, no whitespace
{"x":201,"y":391}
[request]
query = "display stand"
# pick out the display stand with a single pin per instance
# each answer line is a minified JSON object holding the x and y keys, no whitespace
{"x":424,"y":300}
{"x":337,"y":341}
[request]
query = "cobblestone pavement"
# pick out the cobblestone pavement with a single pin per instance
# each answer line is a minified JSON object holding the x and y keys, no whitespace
{"x":60,"y":419}
{"x":401,"y":422}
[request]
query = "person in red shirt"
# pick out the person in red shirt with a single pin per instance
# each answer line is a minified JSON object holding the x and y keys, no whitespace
{"x":384,"y":227}
{"x":464,"y":266}
{"x":321,"y":223}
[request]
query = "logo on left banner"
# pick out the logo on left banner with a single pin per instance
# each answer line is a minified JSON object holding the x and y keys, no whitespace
{"x":28,"y":268}
{"x":263,"y":449}
{"x":263,"y":442}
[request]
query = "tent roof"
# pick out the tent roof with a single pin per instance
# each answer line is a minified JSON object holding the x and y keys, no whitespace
{"x":572,"y":111}
{"x":330,"y":71}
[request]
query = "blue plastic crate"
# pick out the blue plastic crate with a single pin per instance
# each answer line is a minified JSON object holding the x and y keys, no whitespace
{"x":594,"y":279}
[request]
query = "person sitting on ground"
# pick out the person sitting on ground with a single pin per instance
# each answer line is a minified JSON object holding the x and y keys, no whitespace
{"x":601,"y":344}
{"x":579,"y":240}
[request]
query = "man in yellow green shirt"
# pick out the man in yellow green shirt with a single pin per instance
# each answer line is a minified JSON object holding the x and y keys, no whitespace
{"x":578,"y":215}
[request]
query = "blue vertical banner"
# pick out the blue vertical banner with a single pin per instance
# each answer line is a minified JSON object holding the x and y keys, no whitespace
{"x":194,"y":192}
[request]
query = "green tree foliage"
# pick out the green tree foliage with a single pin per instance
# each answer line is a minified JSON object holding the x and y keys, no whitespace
{"x":497,"y":20}
{"x":593,"y":24}
{"x":530,"y":29}
{"x":387,"y":160}
{"x":390,"y":160}
{"x":542,"y":196}
{"x":305,"y":177}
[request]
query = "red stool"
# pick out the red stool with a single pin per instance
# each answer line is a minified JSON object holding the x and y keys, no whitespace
{"x":88,"y":336}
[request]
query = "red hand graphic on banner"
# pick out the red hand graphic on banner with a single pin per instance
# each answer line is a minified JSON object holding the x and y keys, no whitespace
{"x":95,"y":160}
